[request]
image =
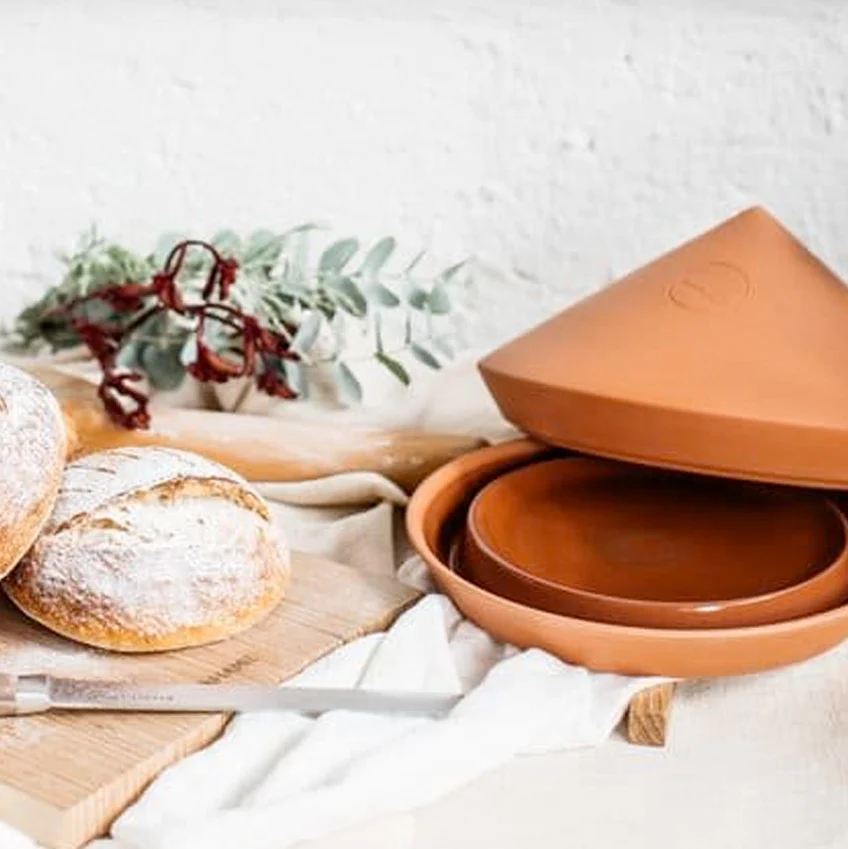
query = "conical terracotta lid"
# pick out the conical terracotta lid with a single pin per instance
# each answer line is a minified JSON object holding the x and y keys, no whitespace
{"x":727,"y":356}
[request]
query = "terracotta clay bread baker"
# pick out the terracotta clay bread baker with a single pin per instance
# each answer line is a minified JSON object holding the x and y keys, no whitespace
{"x":150,"y":549}
{"x":726,"y":356}
{"x":32,"y":456}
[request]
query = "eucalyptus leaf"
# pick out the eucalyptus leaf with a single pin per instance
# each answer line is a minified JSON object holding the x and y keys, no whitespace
{"x":188,"y":352}
{"x":217,"y":335}
{"x":296,"y":378}
{"x":154,"y":327}
{"x":439,"y":300}
{"x":228,"y":242}
{"x":164,"y":245}
{"x":97,"y":312}
{"x":63,"y":341}
{"x":347,"y":382}
{"x":339,"y":327}
{"x":129,"y":357}
{"x":394,"y":367}
{"x":301,"y":228}
{"x":378,"y":333}
{"x":327,"y":308}
{"x":384,"y":296}
{"x":418,"y":299}
{"x":196,"y":262}
{"x":307,"y":333}
{"x":296,"y":248}
{"x":352,"y":300}
{"x":58,"y":334}
{"x":338,"y":255}
{"x":449,"y":273}
{"x":263,"y":247}
{"x":123,"y":264}
{"x":163,"y":367}
{"x":297,"y":289}
{"x":377,"y":257}
{"x":184,"y":322}
{"x":414,"y":263}
{"x":423,"y":355}
{"x":278,"y":311}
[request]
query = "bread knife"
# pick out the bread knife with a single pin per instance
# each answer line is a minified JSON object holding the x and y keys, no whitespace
{"x":29,"y":694}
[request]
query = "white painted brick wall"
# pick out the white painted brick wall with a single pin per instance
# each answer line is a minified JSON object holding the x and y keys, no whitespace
{"x":561,"y":143}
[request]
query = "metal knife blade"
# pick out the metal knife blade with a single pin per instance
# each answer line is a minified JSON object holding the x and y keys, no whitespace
{"x":39,"y":693}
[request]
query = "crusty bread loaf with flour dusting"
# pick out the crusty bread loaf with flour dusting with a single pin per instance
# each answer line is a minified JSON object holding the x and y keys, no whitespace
{"x":32,"y":457}
{"x":150,"y":549}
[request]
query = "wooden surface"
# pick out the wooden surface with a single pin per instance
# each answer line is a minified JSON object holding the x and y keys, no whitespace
{"x":264,"y":448}
{"x":258,"y":447}
{"x":65,"y":777}
{"x":648,"y":715}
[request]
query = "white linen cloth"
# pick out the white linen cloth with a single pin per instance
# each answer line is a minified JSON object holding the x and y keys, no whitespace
{"x":276,"y":779}
{"x":345,"y":780}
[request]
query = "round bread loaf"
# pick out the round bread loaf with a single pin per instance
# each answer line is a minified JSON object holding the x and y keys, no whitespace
{"x":32,"y":457}
{"x":150,"y":549}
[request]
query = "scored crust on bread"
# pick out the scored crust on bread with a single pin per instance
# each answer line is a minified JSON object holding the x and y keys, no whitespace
{"x":97,"y":479}
{"x":150,"y":549}
{"x":32,"y":457}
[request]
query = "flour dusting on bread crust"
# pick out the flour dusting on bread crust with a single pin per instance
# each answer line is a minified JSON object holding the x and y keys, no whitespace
{"x":152,"y":548}
{"x":32,"y":454}
{"x":97,"y":479}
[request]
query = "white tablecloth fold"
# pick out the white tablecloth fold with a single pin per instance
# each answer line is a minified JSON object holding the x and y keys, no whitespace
{"x":274,"y":780}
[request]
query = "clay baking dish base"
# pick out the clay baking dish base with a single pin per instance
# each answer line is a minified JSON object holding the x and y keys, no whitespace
{"x":633,"y":545}
{"x":435,"y":513}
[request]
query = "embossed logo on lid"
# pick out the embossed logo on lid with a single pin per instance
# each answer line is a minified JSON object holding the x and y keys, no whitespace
{"x":716,"y":287}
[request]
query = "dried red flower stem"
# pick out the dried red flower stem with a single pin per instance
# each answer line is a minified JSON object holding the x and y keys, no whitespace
{"x":127,"y":405}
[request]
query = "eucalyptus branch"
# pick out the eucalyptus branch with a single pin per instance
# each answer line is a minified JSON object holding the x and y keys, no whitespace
{"x":271,"y":279}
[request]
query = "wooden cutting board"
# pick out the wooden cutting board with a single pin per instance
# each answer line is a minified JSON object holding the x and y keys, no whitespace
{"x":65,"y":777}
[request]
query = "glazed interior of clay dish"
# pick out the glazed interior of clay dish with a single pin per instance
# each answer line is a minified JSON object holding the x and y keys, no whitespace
{"x":633,"y":545}
{"x":435,"y":519}
{"x":725,"y":356}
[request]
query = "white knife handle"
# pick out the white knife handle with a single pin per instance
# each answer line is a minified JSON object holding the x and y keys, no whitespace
{"x":22,"y":694}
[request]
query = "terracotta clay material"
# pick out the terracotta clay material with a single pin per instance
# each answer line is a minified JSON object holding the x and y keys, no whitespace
{"x":436,"y":513}
{"x":632,"y":545}
{"x":726,"y":356}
